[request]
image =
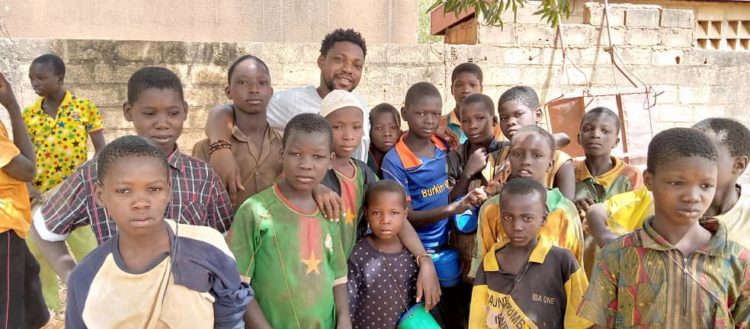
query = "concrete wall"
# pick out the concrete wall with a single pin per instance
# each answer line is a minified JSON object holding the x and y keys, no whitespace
{"x":381,"y":21}
{"x":654,"y":44}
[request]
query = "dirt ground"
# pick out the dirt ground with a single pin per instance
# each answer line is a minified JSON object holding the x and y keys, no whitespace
{"x":57,"y":322}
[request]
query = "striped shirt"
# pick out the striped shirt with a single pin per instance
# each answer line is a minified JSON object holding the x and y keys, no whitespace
{"x":198,"y":198}
{"x":545,"y":293}
{"x":640,"y":280}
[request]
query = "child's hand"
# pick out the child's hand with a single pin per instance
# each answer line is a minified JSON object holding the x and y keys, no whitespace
{"x":501,"y":176}
{"x":7,"y":98}
{"x":477,"y":161}
{"x":475,"y":198}
{"x":330,"y":204}
{"x":222,"y":161}
{"x":584,"y":204}
{"x":745,"y":288}
{"x":428,"y":285}
{"x":478,"y":196}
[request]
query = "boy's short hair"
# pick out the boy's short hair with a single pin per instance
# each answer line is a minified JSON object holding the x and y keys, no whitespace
{"x":521,"y":94}
{"x":387,"y":186}
{"x":385,"y":108}
{"x":467,"y":68}
{"x":536,"y":130}
{"x":524,"y":186}
{"x":489,"y":105}
{"x":674,"y":143}
{"x":308,"y":123}
{"x":58,"y":65}
{"x":338,"y":35}
{"x":242,"y":59}
{"x":152,"y":77}
{"x":730,"y":132}
{"x":418,"y":91}
{"x":127,"y":146}
{"x":602,"y":111}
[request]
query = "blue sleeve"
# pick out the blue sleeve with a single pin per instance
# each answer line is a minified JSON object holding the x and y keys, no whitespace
{"x":230,"y":304}
{"x":73,"y":310}
{"x":201,"y":266}
{"x":392,"y":169}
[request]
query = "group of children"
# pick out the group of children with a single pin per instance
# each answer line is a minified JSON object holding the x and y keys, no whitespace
{"x":480,"y":200}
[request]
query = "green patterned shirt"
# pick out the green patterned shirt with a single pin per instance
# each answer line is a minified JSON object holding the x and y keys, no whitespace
{"x":640,"y":280}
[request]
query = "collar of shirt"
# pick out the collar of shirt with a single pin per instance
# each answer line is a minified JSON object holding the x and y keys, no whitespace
{"x":239,"y":135}
{"x":582,"y":172}
{"x":270,"y":138}
{"x":176,"y":160}
{"x":270,"y":135}
{"x":717,"y":245}
{"x":408,"y":158}
{"x":537,"y":255}
{"x":463,"y":149}
{"x":453,"y":119}
{"x":66,"y":99}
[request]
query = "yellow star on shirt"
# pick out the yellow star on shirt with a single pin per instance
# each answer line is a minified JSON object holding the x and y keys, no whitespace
{"x":312,"y":263}
{"x":350,"y":215}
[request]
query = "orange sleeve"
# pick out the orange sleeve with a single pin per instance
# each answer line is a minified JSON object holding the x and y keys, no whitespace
{"x":8,"y":149}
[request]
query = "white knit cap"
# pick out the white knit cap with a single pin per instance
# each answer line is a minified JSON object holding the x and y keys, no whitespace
{"x":338,"y":99}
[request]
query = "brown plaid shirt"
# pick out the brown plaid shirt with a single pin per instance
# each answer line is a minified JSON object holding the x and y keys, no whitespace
{"x":198,"y":198}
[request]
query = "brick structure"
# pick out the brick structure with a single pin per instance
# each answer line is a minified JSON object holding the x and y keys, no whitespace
{"x":695,"y":83}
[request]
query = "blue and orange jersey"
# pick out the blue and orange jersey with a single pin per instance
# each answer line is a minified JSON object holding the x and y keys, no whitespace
{"x":425,"y":181}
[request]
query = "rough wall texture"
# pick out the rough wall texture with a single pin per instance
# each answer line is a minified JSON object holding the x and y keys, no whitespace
{"x":654,"y":44}
{"x":392,"y":21}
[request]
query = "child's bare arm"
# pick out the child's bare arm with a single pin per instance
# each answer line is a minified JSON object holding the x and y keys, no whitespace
{"x":565,"y":180}
{"x":596,"y":218}
{"x":428,"y":285}
{"x":422,"y":218}
{"x":427,"y":217}
{"x":220,"y":122}
{"x":23,"y":166}
{"x":219,"y":126}
{"x":341,"y":298}
{"x":476,"y":162}
{"x":97,"y":138}
{"x":254,"y":317}
{"x":56,"y":253}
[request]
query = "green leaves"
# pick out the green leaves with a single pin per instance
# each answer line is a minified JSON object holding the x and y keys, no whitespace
{"x":553,"y":11}
{"x":492,"y":10}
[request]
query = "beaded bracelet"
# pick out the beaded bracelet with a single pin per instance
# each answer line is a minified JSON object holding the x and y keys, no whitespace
{"x":218,"y":145}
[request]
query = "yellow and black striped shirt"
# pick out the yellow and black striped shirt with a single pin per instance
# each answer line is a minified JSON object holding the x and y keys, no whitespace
{"x":545,"y":294}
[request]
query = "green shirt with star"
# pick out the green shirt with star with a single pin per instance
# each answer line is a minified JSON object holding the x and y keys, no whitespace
{"x":291,"y":258}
